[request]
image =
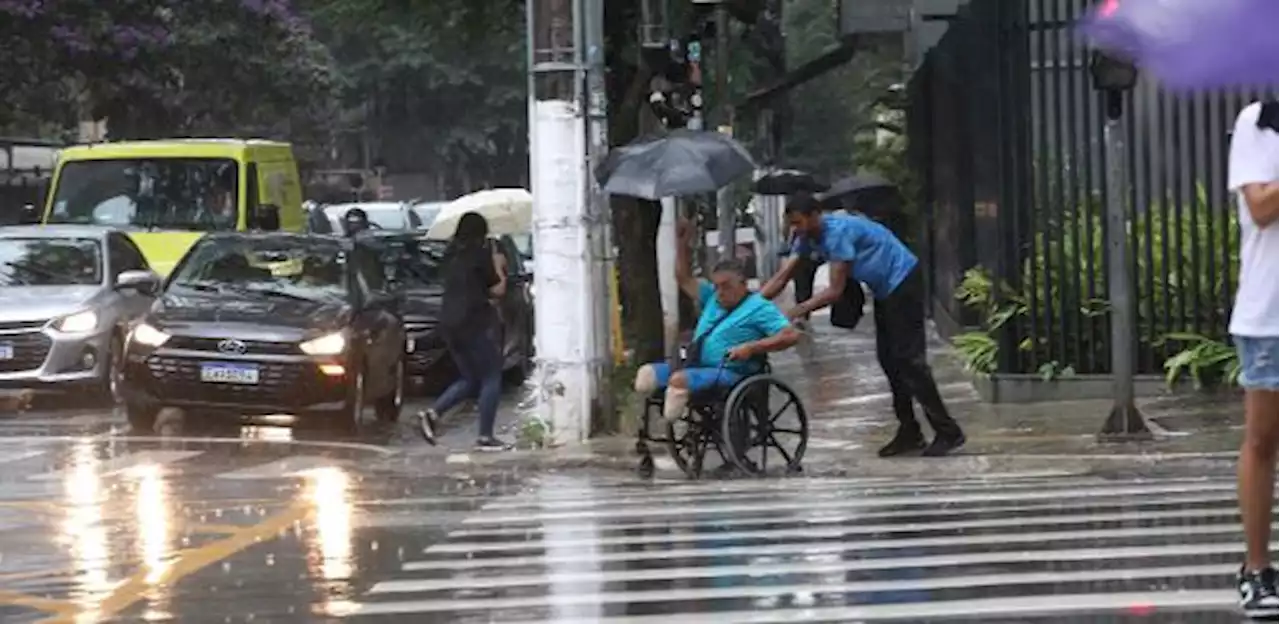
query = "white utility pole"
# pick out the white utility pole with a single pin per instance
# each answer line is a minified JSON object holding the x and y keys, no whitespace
{"x":667,"y":286}
{"x":569,"y":234}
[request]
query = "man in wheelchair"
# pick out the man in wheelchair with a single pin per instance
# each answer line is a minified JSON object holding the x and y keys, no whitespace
{"x":736,"y":329}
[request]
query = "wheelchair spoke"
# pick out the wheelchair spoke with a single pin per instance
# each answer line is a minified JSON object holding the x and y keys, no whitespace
{"x":787,"y":431}
{"x":785,"y":455}
{"x":778,"y":414}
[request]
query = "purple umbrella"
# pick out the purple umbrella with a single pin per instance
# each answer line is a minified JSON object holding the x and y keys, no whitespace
{"x":1193,"y":44}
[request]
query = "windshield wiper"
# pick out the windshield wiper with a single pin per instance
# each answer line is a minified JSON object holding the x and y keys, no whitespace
{"x":272,"y":292}
{"x":200,"y":286}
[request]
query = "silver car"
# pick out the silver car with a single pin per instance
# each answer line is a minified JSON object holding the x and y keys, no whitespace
{"x":69,"y":294}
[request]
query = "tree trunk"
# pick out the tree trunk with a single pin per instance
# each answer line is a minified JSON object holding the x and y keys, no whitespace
{"x":635,"y":222}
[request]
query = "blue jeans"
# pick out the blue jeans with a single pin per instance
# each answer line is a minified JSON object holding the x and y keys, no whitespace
{"x":478,"y":358}
{"x":1259,"y":362}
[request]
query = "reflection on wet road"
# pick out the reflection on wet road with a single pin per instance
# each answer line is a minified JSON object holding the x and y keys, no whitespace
{"x":280,"y":525}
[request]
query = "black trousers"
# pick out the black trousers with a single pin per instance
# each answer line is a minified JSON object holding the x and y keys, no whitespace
{"x":805,"y":273}
{"x":902,"y":351}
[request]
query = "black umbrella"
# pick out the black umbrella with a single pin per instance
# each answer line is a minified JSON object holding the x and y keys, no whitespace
{"x":789,"y":182}
{"x":683,"y":162}
{"x":854,"y":192}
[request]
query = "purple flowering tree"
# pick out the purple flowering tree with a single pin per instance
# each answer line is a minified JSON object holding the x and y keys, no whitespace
{"x":164,"y":67}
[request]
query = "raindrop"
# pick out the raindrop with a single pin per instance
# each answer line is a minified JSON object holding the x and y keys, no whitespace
{"x":271,"y":559}
{"x":373,"y":546}
{"x":226,"y":567}
{"x":217,"y":513}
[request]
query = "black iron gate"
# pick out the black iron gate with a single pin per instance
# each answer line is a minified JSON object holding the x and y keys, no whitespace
{"x":1006,"y":133}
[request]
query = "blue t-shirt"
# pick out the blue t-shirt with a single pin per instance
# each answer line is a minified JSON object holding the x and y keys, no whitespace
{"x":754,"y":319}
{"x":876,"y":257}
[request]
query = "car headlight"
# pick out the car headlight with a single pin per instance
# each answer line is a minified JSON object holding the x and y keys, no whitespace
{"x":330,"y":344}
{"x":149,"y":336}
{"x":78,"y":323}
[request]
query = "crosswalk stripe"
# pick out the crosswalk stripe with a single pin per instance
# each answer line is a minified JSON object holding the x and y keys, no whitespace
{"x":1024,"y":606}
{"x":294,"y":466}
{"x":1074,"y":555}
{"x":801,"y":502}
{"x":809,"y":548}
{"x":769,"y":591}
{"x":8,"y":457}
{"x":648,"y":498}
{"x":117,"y":465}
{"x":668,"y":536}
{"x":823,"y":518}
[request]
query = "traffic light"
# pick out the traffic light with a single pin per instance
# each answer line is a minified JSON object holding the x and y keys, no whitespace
{"x":1114,"y":76}
{"x":676,"y":91}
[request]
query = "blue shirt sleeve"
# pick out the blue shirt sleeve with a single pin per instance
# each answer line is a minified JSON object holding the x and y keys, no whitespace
{"x":705,"y":292}
{"x":838,"y":243}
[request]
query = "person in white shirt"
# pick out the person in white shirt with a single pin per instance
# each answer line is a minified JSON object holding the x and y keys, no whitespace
{"x":1253,"y":171}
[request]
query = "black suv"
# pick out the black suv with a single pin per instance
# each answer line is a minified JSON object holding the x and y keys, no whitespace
{"x":412,"y":266}
{"x":257,"y":324}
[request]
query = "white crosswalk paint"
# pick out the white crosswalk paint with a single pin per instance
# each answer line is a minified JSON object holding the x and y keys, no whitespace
{"x":18,"y":455}
{"x":121,"y":464}
{"x":288,"y":467}
{"x":828,"y":550}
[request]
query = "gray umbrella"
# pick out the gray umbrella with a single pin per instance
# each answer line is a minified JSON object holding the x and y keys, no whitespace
{"x":850,"y":192}
{"x":683,"y":162}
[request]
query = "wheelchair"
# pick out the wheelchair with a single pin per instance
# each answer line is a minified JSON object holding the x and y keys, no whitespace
{"x":740,"y":423}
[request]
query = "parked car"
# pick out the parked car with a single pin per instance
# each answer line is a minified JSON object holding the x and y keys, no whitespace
{"x":427,"y":212}
{"x":257,"y":324}
{"x":390,"y":216}
{"x":70,"y":294}
{"x":412,"y":266}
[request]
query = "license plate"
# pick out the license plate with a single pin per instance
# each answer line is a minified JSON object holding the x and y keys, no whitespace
{"x":6,"y":350}
{"x":216,"y":372}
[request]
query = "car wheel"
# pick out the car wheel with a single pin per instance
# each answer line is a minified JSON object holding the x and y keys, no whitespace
{"x":113,"y":377}
{"x":142,"y":418}
{"x":351,"y":418}
{"x":388,"y":407}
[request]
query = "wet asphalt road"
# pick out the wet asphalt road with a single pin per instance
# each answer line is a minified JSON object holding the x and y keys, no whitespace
{"x":232,"y":523}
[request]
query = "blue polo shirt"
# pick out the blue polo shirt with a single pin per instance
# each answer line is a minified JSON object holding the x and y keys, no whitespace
{"x":754,"y":319}
{"x":876,"y":257}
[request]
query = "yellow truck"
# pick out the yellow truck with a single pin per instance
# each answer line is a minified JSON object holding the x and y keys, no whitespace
{"x":167,"y":194}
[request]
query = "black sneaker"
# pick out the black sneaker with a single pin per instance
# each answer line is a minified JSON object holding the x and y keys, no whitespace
{"x":491,"y":444}
{"x":1258,"y":593}
{"x":903,"y":443}
{"x":942,"y":446}
{"x":427,"y":420}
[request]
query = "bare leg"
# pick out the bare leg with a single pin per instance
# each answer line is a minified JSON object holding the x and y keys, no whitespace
{"x":1257,"y":475}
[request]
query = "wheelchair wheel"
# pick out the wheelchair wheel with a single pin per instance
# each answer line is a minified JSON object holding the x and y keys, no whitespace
{"x":689,"y":439}
{"x":765,"y":425}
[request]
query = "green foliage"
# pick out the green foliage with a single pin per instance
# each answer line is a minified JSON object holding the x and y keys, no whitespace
{"x":1185,"y":263}
{"x":979,"y":349}
{"x":1207,"y":361}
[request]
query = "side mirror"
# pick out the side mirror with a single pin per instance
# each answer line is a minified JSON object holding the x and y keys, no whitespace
{"x":145,"y":282}
{"x":267,"y":218}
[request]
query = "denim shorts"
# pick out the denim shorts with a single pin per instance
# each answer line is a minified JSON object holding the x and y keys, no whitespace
{"x":1259,"y":362}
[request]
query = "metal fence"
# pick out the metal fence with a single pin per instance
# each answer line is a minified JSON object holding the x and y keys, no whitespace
{"x":1006,"y":135}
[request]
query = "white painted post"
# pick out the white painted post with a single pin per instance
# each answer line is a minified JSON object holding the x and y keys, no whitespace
{"x":566,"y":379}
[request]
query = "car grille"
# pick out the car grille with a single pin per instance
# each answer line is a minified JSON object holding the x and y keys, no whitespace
{"x":251,"y":346}
{"x":278,"y":383}
{"x":29,"y":351}
{"x":10,"y":326}
{"x":417,"y":327}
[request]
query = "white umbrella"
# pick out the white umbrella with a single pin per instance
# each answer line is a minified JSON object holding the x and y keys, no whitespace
{"x":508,"y":211}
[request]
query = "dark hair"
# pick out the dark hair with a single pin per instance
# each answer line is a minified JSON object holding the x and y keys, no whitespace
{"x":730,"y":265}
{"x":1269,"y":116}
{"x":472,"y":229}
{"x":805,"y":204}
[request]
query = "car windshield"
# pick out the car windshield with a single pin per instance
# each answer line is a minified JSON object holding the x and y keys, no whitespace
{"x":290,"y":268}
{"x":411,"y":263}
{"x":427,"y":213}
{"x":50,"y":262}
{"x":171,"y":193}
